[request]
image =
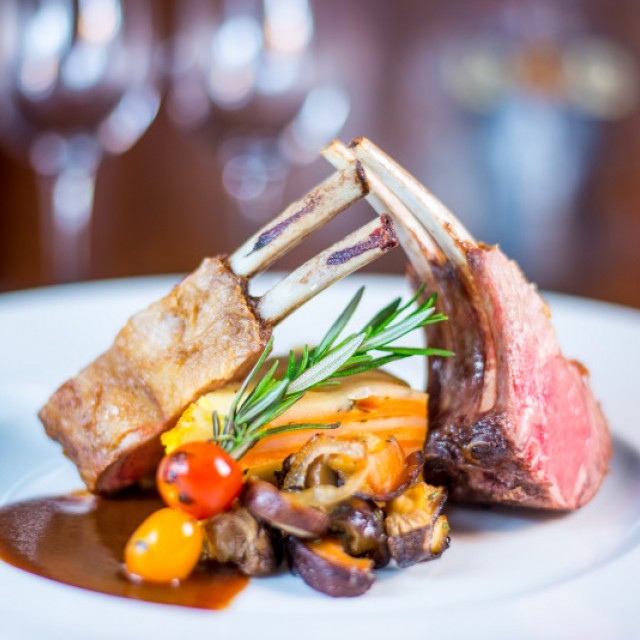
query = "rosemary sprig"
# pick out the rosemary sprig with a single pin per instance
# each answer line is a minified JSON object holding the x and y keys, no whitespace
{"x":332,"y":358}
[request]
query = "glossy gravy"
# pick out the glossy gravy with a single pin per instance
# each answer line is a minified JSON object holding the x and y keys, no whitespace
{"x":79,"y":539}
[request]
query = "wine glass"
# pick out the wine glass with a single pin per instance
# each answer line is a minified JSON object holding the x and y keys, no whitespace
{"x":77,"y":79}
{"x":247,"y":81}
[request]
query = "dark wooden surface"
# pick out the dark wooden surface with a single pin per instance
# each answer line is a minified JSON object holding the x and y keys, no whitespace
{"x":160,"y":207}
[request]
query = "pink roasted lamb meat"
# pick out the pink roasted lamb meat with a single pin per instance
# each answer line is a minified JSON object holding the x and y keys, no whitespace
{"x":511,"y":419}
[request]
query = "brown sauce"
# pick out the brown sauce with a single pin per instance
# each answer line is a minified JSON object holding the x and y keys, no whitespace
{"x":79,"y":539}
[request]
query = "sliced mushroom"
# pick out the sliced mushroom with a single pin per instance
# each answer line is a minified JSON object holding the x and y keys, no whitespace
{"x":329,"y":470}
{"x":360,"y":525}
{"x":325,"y":566}
{"x":282,"y":510}
{"x":338,"y":456}
{"x":416,"y":531}
{"x":320,"y":473}
{"x":236,"y":537}
{"x":281,"y":474}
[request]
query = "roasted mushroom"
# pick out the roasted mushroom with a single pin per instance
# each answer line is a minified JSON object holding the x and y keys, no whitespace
{"x":360,"y":525}
{"x":366,"y":466}
{"x":416,"y":531}
{"x":323,"y":456}
{"x":236,"y":537}
{"x":280,"y":509}
{"x":325,"y":566}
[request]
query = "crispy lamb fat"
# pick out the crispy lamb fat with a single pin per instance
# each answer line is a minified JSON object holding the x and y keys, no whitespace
{"x":207,"y":332}
{"x":511,"y":419}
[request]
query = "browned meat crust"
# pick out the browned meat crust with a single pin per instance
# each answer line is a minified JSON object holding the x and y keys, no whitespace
{"x":199,"y":337}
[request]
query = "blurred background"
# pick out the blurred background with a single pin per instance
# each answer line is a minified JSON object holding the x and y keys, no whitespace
{"x":137,"y":136}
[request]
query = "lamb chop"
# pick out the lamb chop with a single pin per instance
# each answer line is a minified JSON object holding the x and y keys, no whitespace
{"x":207,"y":332}
{"x":511,"y":419}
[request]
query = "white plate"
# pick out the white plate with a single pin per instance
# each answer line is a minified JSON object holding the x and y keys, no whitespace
{"x":508,"y":573}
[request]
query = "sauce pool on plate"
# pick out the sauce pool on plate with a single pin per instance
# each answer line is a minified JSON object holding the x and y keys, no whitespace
{"x":79,"y":539}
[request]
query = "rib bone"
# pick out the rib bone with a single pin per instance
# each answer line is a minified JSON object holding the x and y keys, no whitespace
{"x":454,"y":240}
{"x":336,"y":262}
{"x":419,"y":246}
{"x":414,"y":238}
{"x":300,"y":219}
{"x":448,"y":232}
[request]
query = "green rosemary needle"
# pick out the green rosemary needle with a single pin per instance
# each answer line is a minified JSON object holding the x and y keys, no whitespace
{"x":333,"y":358}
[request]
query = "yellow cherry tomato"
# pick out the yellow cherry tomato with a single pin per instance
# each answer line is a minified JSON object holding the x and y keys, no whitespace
{"x":165,"y":547}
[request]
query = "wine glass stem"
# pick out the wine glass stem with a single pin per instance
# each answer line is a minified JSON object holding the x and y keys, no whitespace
{"x":66,"y":210}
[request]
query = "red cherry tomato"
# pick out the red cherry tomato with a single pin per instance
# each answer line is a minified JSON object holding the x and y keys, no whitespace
{"x":199,"y":478}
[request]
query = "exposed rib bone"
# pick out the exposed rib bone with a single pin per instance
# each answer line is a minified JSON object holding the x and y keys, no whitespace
{"x":344,"y":257}
{"x":300,"y":219}
{"x":341,"y":157}
{"x":444,"y":227}
{"x":447,"y":231}
{"x":414,"y":238}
